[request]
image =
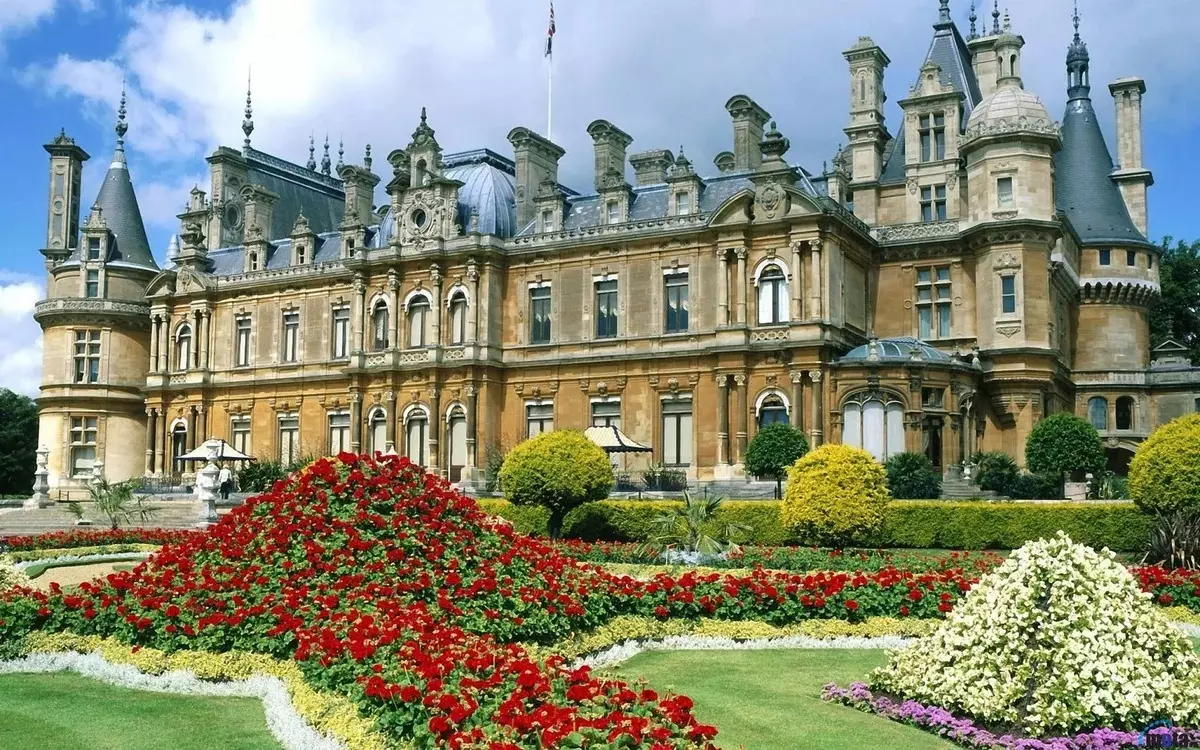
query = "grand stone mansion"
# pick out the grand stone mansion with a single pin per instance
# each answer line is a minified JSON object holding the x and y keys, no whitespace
{"x":943,"y":284}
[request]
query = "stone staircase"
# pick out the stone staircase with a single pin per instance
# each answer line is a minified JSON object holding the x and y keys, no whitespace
{"x":173,"y":513}
{"x":959,"y":488}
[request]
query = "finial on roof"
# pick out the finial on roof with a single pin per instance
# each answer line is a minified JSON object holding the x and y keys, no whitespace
{"x":341,"y":151}
{"x":824,"y":166}
{"x":1075,"y":20}
{"x":1078,"y":81}
{"x":422,"y":115}
{"x":1007,"y":22}
{"x":974,"y":18}
{"x":173,"y":248}
{"x":312,"y":150}
{"x":995,"y":16}
{"x":367,"y":158}
{"x":247,"y":124}
{"x":325,"y":158}
{"x":122,"y":127}
{"x":943,"y":11}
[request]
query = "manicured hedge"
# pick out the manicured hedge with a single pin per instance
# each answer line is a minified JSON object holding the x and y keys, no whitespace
{"x":919,"y":523}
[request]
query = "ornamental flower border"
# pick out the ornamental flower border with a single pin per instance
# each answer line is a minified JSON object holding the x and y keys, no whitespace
{"x":967,"y":733}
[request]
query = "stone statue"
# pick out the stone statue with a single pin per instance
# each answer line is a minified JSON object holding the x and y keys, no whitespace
{"x":206,"y":489}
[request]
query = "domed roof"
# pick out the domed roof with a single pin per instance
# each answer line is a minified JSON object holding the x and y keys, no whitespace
{"x":1009,"y":109}
{"x":898,"y":348}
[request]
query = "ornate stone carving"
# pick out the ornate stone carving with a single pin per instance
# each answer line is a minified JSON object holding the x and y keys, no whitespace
{"x":1007,"y":261}
{"x":797,"y":376}
{"x":1008,"y":330}
{"x":1010,"y":125}
{"x":815,"y":375}
{"x":769,"y":334}
{"x":722,"y":381}
{"x":912,"y":185}
{"x":1004,"y":215}
{"x":918,"y":231}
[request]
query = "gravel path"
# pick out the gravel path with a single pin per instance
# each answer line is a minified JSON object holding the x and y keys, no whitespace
{"x":76,"y":574}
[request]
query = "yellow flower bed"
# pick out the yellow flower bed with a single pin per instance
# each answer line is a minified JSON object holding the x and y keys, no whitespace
{"x":329,"y":713}
{"x":1181,"y":614}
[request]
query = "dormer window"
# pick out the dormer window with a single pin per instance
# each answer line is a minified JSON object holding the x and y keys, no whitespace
{"x":253,"y":261}
{"x":93,"y":250}
{"x":933,"y":137}
{"x":301,"y":254}
{"x":683,"y":204}
{"x":547,"y":221}
{"x":614,"y":212}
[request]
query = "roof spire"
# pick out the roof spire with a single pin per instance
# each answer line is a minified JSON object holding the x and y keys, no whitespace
{"x":341,"y":151}
{"x":247,"y":124}
{"x":974,"y":18}
{"x":1007,"y":22}
{"x":122,"y":127}
{"x":1078,"y":61}
{"x":995,"y":16}
{"x":312,"y":148}
{"x":367,"y":158}
{"x":325,"y":158}
{"x":1075,"y":20}
{"x":943,"y":11}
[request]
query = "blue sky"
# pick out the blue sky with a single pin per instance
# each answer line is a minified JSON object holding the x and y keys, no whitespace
{"x":360,"y":70}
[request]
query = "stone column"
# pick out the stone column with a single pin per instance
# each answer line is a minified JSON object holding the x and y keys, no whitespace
{"x":472,"y":405}
{"x":435,"y":276}
{"x":202,"y":422}
{"x":815,"y":281}
{"x":196,"y":320}
{"x":472,"y":320}
{"x":356,"y":422}
{"x":358,"y":315}
{"x":723,"y":419}
{"x":151,"y":426}
{"x":155,"y":340}
{"x":205,"y":337}
{"x":743,"y":286}
{"x":390,"y":438}
{"x":797,"y":313}
{"x":818,"y":409}
{"x":394,"y":325}
{"x":482,"y":315}
{"x":740,"y":382}
{"x":798,"y":400}
{"x":723,"y":289}
{"x":435,"y":429}
{"x":164,"y":344}
{"x":193,"y":428}
{"x":164,"y":451}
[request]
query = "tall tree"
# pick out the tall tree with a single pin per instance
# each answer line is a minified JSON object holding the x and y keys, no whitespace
{"x":18,"y":442}
{"x":1177,"y":314}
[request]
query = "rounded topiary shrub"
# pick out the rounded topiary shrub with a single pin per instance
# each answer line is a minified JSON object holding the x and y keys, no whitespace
{"x":836,"y":495}
{"x":1063,"y":443}
{"x":559,"y":471}
{"x":773,"y":449}
{"x":911,"y":476}
{"x":1164,"y":475}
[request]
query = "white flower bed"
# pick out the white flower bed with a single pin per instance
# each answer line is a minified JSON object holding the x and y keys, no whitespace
{"x":287,"y":726}
{"x":1059,"y":638}
{"x":63,"y":559}
{"x":629,"y":649}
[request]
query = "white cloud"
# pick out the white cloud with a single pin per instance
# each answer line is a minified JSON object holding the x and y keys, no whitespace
{"x":661,"y":71}
{"x":18,"y":16}
{"x":20,"y":335}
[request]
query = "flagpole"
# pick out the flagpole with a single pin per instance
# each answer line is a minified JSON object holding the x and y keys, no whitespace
{"x":550,"y":97}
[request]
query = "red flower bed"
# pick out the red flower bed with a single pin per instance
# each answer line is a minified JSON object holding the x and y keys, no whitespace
{"x":95,"y":538}
{"x":1178,"y":588}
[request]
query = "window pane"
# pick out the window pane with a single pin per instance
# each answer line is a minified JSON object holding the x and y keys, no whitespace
{"x":1130,"y":258}
{"x":923,"y":276}
{"x":926,"y":193}
{"x":1105,"y":257}
{"x":852,"y":425}
{"x":924,"y":323}
{"x":924,"y":294}
{"x":873,"y":429}
{"x":943,"y":274}
{"x":895,"y":429}
{"x":943,"y":321}
{"x":1098,"y":412}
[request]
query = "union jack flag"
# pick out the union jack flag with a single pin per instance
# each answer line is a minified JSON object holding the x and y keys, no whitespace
{"x":550,"y":33}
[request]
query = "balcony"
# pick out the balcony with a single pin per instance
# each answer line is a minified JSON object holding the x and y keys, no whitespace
{"x":68,"y":309}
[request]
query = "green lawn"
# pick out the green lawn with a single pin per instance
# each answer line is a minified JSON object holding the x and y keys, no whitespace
{"x":771,"y":700}
{"x":64,"y":711}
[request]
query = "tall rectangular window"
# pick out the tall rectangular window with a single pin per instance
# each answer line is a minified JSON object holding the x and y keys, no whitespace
{"x":289,"y":438}
{"x":1105,"y":257}
{"x":418,"y":322}
{"x":683,"y":204}
{"x":83,"y":445}
{"x":933,"y":137}
{"x":291,"y":336}
{"x":93,"y":248}
{"x":1008,"y":294}
{"x":239,"y":432}
{"x":614,"y":212}
{"x":676,"y":293}
{"x":677,"y":433}
{"x":606,"y":414}
{"x":241,"y":341}
{"x":1004,"y":192}
{"x":341,"y":332}
{"x":1131,"y":257}
{"x":87,"y":356}
{"x":91,"y":287}
{"x":539,"y":418}
{"x":935,"y":295}
{"x":606,"y":309}
{"x":547,"y":221}
{"x":539,"y":315}
{"x":339,"y":432}
{"x":933,"y":203}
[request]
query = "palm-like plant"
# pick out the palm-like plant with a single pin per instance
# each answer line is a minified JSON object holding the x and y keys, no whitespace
{"x":684,"y":527}
{"x":117,"y":502}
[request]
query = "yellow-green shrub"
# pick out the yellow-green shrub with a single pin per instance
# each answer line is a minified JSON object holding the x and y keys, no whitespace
{"x":558,"y":471}
{"x":1164,"y":475}
{"x":836,"y":495}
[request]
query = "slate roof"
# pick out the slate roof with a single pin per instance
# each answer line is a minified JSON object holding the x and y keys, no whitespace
{"x":119,"y":209}
{"x":949,"y":51}
{"x":1083,"y":186}
{"x":320,"y":197}
{"x":230,"y":261}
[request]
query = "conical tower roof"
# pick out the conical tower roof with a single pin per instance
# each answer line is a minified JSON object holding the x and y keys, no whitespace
{"x":119,"y":207}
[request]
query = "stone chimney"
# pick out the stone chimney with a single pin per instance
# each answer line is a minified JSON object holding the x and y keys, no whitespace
{"x":360,"y":185}
{"x":1131,"y":174}
{"x":610,"y":145}
{"x":748,"y":121}
{"x":650,"y":167}
{"x":537,"y":162}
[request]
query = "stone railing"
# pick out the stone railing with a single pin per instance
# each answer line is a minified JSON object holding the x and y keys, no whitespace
{"x":610,"y":231}
{"x":900,"y":233}
{"x":84,"y":308}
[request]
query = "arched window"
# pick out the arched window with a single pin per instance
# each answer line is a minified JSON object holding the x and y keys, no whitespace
{"x":178,"y":445}
{"x":875,"y":423}
{"x":1098,"y":412}
{"x":772,"y":296}
{"x":377,"y":430}
{"x":183,"y":347}
{"x":458,"y":318}
{"x":379,"y":326}
{"x":1125,"y":413}
{"x":456,"y":446}
{"x":416,"y":437}
{"x":418,"y":320}
{"x":772,"y":411}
